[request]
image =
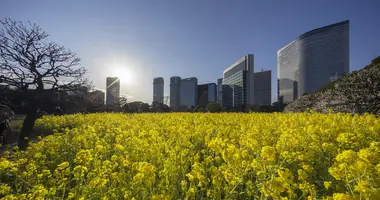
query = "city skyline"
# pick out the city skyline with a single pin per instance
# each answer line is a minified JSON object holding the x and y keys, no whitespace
{"x":188,"y":39}
{"x":254,"y":88}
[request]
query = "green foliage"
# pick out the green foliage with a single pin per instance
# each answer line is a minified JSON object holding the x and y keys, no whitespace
{"x":213,"y":107}
{"x":278,"y":106}
{"x":138,"y":107}
{"x":159,"y":107}
{"x":200,"y":109}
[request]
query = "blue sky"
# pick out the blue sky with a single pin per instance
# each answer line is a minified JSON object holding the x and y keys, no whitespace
{"x":191,"y":38}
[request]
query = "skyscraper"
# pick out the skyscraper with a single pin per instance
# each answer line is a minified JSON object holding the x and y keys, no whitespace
{"x":238,"y":84}
{"x":158,"y":90}
{"x":313,"y":60}
{"x":189,"y":92}
{"x":206,"y":93}
{"x":220,"y":85}
{"x":175,"y":91}
{"x":263,"y":88}
{"x":113,"y":90}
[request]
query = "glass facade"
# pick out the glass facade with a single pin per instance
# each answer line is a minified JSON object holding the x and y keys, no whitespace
{"x":263,"y":88}
{"x":113,"y":90}
{"x":206,"y":94}
{"x":238,"y":84}
{"x":234,"y":90}
{"x":312,"y":61}
{"x":175,"y":89}
{"x":189,"y":92}
{"x":220,"y":85}
{"x":212,"y":92}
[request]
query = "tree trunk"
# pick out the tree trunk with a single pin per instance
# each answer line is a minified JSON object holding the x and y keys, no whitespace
{"x":27,"y":127}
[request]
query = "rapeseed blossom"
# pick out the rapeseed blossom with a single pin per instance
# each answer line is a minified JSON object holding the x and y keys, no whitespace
{"x":197,"y":156}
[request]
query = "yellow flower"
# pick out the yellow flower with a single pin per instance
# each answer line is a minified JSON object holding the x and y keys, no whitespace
{"x":4,"y":189}
{"x":197,"y":155}
{"x":307,"y":168}
{"x":268,"y":153}
{"x":71,"y":195}
{"x":138,"y":178}
{"x":126,"y":163}
{"x":341,"y":196}
{"x":63,"y":165}
{"x":190,"y":177}
{"x":83,"y":157}
{"x":346,"y":156}
{"x":327,"y":184}
{"x":4,"y":163}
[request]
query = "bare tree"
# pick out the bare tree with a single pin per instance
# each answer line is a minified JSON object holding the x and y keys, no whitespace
{"x":36,"y":67}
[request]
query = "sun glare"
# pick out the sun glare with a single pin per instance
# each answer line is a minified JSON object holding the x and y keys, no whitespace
{"x":124,"y":75}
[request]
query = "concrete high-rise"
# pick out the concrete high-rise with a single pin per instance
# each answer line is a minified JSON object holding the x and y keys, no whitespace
{"x":263,"y":88}
{"x":220,"y":86}
{"x":238,"y":84}
{"x":158,"y":90}
{"x":175,"y":92}
{"x":313,"y":60}
{"x":113,"y":90}
{"x":206,"y":93}
{"x":189,"y":92}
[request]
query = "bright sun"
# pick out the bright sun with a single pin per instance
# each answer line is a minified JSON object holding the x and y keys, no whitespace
{"x":124,"y":75}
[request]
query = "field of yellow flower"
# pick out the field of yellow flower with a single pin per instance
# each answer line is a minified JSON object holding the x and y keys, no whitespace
{"x":198,"y":156}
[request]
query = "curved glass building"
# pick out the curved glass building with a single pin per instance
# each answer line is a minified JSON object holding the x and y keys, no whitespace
{"x":313,"y":60}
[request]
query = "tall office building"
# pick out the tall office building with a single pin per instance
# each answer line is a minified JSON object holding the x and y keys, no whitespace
{"x":158,"y":90}
{"x":206,"y":93}
{"x":313,"y":60}
{"x":189,"y":92}
{"x":263,"y":88}
{"x":238,"y":84}
{"x":113,"y":90}
{"x":175,"y":91}
{"x":219,"y":96}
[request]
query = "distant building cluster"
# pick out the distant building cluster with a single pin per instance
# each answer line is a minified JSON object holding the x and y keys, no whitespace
{"x":304,"y":66}
{"x":235,"y":89}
